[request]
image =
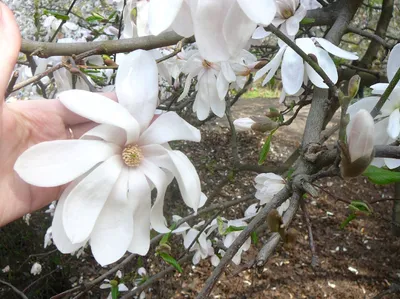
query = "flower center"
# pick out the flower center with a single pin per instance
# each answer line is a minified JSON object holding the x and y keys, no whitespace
{"x":206,"y":64}
{"x":287,"y":13}
{"x":132,"y":155}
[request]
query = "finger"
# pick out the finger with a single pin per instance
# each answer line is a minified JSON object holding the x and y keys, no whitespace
{"x":10,"y":44}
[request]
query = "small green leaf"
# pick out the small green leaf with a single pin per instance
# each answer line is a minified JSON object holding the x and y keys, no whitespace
{"x":307,"y":21}
{"x":170,"y":260}
{"x":348,"y":220}
{"x":112,"y":15}
{"x":254,"y":238}
{"x":220,"y":223}
{"x":95,"y":17}
{"x":232,"y":229}
{"x":359,"y":206}
{"x":57,"y":15}
{"x":381,"y":176}
{"x":266,"y":147}
{"x":166,"y":237}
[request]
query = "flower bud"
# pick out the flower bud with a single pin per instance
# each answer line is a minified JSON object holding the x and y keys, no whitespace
{"x":243,"y":124}
{"x":354,"y":85}
{"x":358,"y":153}
{"x":272,"y":112}
{"x":274,"y":221}
{"x":263,"y":124}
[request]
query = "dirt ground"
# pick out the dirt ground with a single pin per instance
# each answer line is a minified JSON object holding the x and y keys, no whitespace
{"x":366,"y":244}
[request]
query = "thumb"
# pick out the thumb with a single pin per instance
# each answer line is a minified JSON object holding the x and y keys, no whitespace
{"x":10,"y":44}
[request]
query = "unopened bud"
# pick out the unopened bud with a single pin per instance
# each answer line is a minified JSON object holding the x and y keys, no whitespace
{"x":263,"y":124}
{"x":354,"y":85}
{"x":274,"y":221}
{"x":313,"y":57}
{"x":272,"y":112}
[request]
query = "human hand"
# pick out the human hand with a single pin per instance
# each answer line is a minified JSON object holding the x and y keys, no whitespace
{"x":23,"y":124}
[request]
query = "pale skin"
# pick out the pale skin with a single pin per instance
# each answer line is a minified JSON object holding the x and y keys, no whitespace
{"x":23,"y":124}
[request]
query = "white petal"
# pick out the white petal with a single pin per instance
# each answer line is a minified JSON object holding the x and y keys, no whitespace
{"x":107,"y":133}
{"x":329,"y":67}
{"x":379,"y":88}
{"x":113,"y":231}
{"x":228,"y":72}
{"x":365,"y":103}
{"x":335,"y":50}
{"x":55,"y":163}
{"x":218,"y":107}
{"x":60,"y":238}
{"x":222,"y":86}
{"x":183,"y":170}
{"x":392,"y":163}
{"x":292,"y":71}
{"x":85,"y":202}
{"x":393,"y":128}
{"x":293,"y":23}
{"x":208,"y":23}
{"x":271,"y":67}
{"x":160,"y":181}
{"x":190,"y":237}
{"x":162,"y":14}
{"x":260,"y":33}
{"x":243,"y":124}
{"x":393,"y":63}
{"x":237,"y":29}
{"x":183,"y":24}
{"x":259,"y":11}
{"x":201,"y":106}
{"x":100,"y":109}
{"x":360,"y":136}
{"x":137,"y":86}
{"x":139,"y":197}
{"x":169,"y":127}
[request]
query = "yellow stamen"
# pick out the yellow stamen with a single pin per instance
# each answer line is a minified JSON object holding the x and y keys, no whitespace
{"x":132,"y":155}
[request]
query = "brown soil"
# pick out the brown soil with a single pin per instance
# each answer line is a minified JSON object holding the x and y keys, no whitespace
{"x":366,"y":244}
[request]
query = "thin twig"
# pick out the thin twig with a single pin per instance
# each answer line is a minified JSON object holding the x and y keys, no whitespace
{"x":63,"y":21}
{"x":21,"y":294}
{"x":306,"y":216}
{"x":11,"y":84}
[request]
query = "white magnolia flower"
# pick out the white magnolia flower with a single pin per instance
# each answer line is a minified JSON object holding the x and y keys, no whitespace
{"x":290,"y":60}
{"x":202,"y":247}
{"x":52,"y":208}
{"x":387,"y":124}
{"x":243,"y":124}
{"x":114,"y":166}
{"x":121,"y":286}
{"x":48,"y":237}
{"x":289,"y":14}
{"x":36,"y":269}
{"x":214,"y":79}
{"x":6,"y":269}
{"x":231,"y":237}
{"x":360,"y":135}
{"x":267,"y":185}
{"x":222,"y":28}
{"x":27,"y":218}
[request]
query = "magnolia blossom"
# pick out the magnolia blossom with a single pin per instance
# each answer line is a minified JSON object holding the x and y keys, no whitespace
{"x":214,"y":80}
{"x":231,"y":237}
{"x":36,"y":269}
{"x":121,"y":286}
{"x":222,"y":28}
{"x":48,"y":237}
{"x":267,"y":185}
{"x":295,"y":71}
{"x":289,"y":14}
{"x":387,"y":124}
{"x":114,"y":167}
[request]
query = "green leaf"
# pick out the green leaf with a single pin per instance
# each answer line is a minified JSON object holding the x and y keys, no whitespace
{"x":95,"y":17}
{"x":220,"y":223}
{"x":112,"y":15}
{"x":254,"y":238}
{"x":359,"y":206}
{"x":170,"y":260}
{"x":381,"y":176}
{"x":307,"y":21}
{"x":348,"y":220}
{"x":114,"y":289}
{"x":232,"y":229}
{"x":166,"y":237}
{"x":57,"y":15}
{"x":266,"y":147}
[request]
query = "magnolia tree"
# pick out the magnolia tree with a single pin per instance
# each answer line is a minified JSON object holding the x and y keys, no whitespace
{"x":148,"y":72}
